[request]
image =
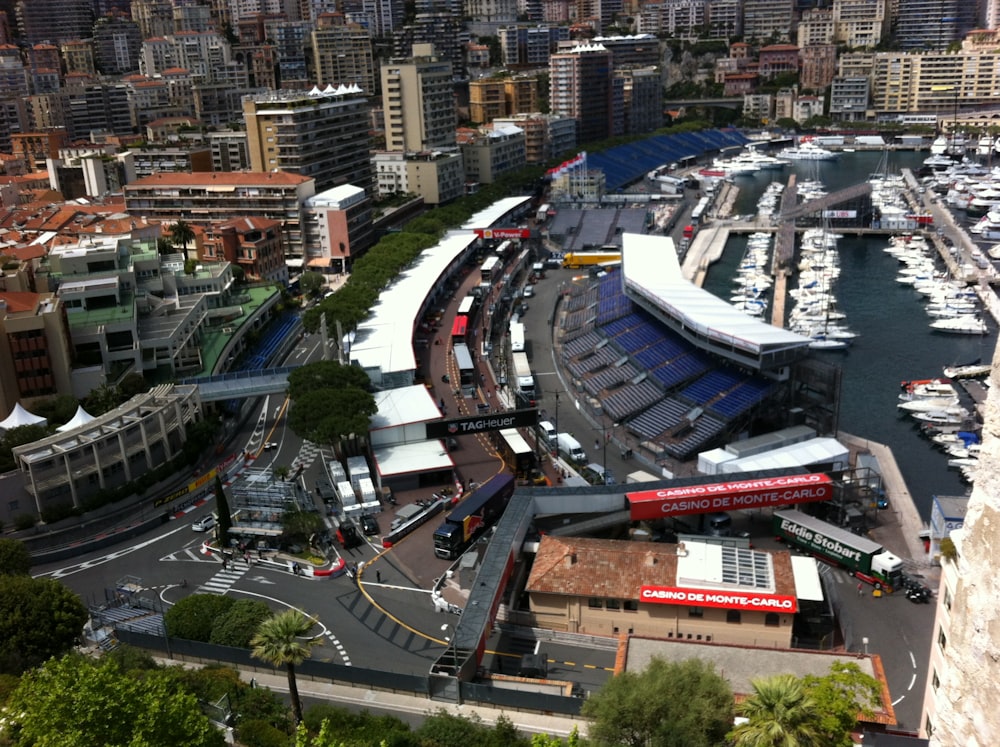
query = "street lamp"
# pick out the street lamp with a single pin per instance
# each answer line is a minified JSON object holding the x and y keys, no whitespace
{"x":864,"y":642}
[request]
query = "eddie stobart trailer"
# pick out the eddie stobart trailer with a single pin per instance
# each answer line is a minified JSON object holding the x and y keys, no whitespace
{"x":864,"y":558}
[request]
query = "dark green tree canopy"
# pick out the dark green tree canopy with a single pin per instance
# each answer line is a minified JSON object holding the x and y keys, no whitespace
{"x":325,"y":375}
{"x":673,"y":704}
{"x":194,"y":617}
{"x":39,"y":618}
{"x":15,"y":560}
{"x":240,"y":623}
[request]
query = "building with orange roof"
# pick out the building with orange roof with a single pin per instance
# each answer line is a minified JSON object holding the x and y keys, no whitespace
{"x":690,"y":591}
{"x":36,"y":147}
{"x":251,"y":243}
{"x":204,"y":197}
{"x":35,"y":357}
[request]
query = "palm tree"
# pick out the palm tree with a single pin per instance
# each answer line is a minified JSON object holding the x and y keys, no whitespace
{"x":182,"y":234}
{"x":277,"y":642}
{"x":779,"y":713}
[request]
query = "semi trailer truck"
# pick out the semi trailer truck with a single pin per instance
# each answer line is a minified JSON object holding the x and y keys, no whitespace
{"x":862,"y":557}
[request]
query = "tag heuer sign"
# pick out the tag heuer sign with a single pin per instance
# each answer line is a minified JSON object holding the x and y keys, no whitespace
{"x":495,"y":421}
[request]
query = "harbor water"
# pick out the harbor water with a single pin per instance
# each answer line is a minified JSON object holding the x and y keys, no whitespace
{"x":896,"y":343}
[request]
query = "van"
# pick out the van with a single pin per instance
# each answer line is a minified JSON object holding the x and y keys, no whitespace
{"x":547,"y":433}
{"x":570,"y":448}
{"x":719,"y":525}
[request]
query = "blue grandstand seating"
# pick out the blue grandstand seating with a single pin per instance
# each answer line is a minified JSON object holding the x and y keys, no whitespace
{"x":683,"y":368}
{"x":711,"y":385}
{"x":741,"y":398}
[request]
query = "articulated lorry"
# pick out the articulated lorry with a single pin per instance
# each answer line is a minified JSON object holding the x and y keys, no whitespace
{"x":862,"y":557}
{"x":473,"y":516}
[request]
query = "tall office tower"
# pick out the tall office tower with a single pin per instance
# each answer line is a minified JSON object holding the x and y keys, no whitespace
{"x":963,"y":684}
{"x":767,"y":19}
{"x":580,"y":87}
{"x":383,"y":16}
{"x":342,"y":53}
{"x":418,"y":98}
{"x":933,"y":24}
{"x":54,"y":20}
{"x":321,"y":135}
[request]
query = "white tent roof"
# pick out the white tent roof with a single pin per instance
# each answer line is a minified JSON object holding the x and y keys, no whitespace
{"x":81,"y":418}
{"x":18,"y":417}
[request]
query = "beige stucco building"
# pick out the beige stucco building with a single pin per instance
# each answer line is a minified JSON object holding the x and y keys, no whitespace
{"x":690,"y":591}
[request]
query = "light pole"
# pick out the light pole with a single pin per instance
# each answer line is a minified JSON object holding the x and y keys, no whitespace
{"x":864,"y":642}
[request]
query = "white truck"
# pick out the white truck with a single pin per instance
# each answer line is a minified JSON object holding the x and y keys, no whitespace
{"x":570,"y":448}
{"x":522,"y":373}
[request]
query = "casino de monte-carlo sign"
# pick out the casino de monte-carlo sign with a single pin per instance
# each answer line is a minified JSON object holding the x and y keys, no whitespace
{"x":753,"y":601}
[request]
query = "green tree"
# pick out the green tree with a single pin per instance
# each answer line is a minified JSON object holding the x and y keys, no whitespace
{"x":23,"y":434}
{"x":780,"y":713}
{"x":237,"y":627}
{"x":56,"y":410}
{"x":674,"y":704}
{"x":39,"y":618}
{"x":326,"y":415}
{"x":15,"y":560}
{"x":103,"y":399}
{"x":325,"y":375}
{"x":76,"y":700}
{"x":182,"y":234}
{"x":841,"y":697}
{"x":133,"y":384}
{"x":299,"y":525}
{"x":222,"y":507}
{"x":310,"y":283}
{"x":281,"y":642}
{"x":194,"y":617}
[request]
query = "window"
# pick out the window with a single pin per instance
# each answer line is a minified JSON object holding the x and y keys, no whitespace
{"x":696,"y":611}
{"x":614,"y":604}
{"x":771,"y":619}
{"x":935,"y":682}
{"x":947,"y":599}
{"x":631,"y":605}
{"x":595,"y":603}
{"x":942,"y":639}
{"x":733,"y":616}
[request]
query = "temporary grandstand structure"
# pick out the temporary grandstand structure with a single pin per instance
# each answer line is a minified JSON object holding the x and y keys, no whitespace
{"x":18,"y":417}
{"x":81,"y":418}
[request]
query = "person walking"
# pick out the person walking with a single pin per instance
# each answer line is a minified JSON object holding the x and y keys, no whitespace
{"x":378,"y":577}
{"x":861,"y":589}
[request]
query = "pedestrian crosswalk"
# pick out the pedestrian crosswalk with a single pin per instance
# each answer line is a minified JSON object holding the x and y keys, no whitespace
{"x":223,"y":581}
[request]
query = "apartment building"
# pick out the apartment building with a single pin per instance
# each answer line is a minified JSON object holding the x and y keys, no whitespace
{"x":445,"y":31}
{"x":150,"y":159}
{"x":933,"y":24}
{"x":491,"y":98}
{"x":580,"y":86}
{"x":486,"y":17}
{"x":724,"y":19}
{"x":818,"y":66}
{"x":54,"y":20}
{"x":117,"y":45}
{"x":776,"y":59}
{"x":934,"y":82}
{"x":200,"y":198}
{"x":437,"y":176}
{"x":768,"y":19}
{"x":642,"y":93}
{"x":35,"y":355}
{"x":201,"y":53}
{"x":230,"y":151}
{"x":546,"y":136}
{"x":849,"y":98}
{"x":490,"y":152}
{"x":418,"y":101}
{"x":861,"y":24}
{"x":252,"y":243}
{"x":530,"y":46}
{"x":338,"y":228}
{"x":816,"y":27}
{"x":322,"y":135}
{"x":639,"y":50}
{"x":342,"y":54}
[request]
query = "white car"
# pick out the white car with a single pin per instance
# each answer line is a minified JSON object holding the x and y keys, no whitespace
{"x":204,"y":524}
{"x":270,"y":445}
{"x":528,"y":292}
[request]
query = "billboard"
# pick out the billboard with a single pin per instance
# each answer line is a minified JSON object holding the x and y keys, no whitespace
{"x":496,"y":421}
{"x":766,"y":492}
{"x":503,"y":233}
{"x":755,"y":601}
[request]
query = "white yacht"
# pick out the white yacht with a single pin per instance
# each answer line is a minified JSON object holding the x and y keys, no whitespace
{"x":961,"y":325}
{"x":807,"y":150}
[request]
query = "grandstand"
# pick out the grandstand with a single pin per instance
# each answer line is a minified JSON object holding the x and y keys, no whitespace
{"x":673,"y":396}
{"x":625,"y":164}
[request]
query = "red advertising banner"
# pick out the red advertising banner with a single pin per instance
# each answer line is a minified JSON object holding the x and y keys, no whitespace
{"x":727,"y":600}
{"x":503,"y":233}
{"x":766,"y":492}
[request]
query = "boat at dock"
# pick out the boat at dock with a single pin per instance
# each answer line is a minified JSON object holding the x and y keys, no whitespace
{"x":807,"y":150}
{"x":961,"y":325}
{"x":967,"y":371}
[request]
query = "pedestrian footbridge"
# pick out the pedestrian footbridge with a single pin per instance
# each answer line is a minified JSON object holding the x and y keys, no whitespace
{"x":240,"y":384}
